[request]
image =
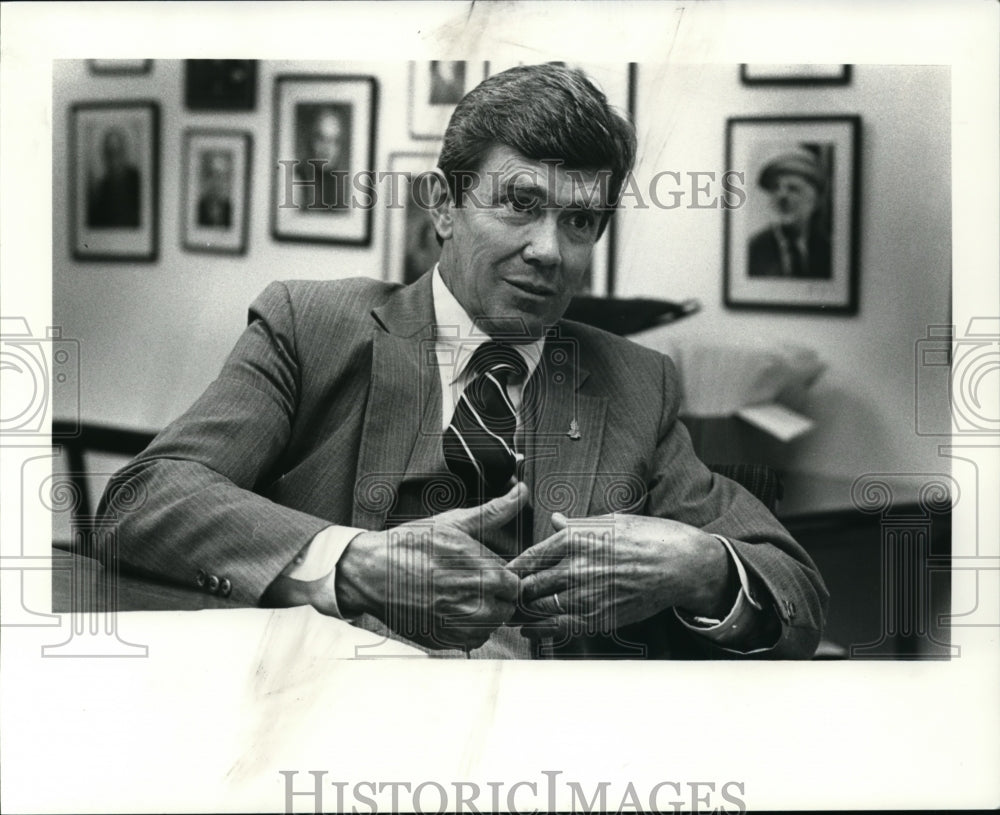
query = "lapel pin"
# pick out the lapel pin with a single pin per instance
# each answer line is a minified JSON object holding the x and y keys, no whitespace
{"x":574,"y":430}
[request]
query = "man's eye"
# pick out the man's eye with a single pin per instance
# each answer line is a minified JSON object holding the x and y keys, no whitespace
{"x":521,"y":203}
{"x":582,"y":220}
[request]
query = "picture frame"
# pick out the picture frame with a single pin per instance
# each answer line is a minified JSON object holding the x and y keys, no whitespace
{"x":791,"y":240}
{"x":411,"y":246}
{"x":436,"y":87}
{"x":324,"y":149}
{"x":787,"y":74}
{"x":215,"y":203}
{"x":114,"y":180}
{"x":218,"y":85}
{"x":119,"y":66}
{"x":618,"y":82}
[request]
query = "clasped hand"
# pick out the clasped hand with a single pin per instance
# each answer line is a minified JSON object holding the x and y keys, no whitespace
{"x":451,"y":585}
{"x":442,"y":581}
{"x":597,"y":574}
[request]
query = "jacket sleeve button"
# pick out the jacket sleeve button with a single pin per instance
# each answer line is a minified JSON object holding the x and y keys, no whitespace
{"x":201,"y":577}
{"x":225,"y":587}
{"x":213,"y":583}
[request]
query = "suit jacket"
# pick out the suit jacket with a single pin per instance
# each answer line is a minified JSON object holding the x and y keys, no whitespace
{"x":115,"y":201}
{"x":765,"y":256}
{"x":215,"y":211}
{"x":326,"y":409}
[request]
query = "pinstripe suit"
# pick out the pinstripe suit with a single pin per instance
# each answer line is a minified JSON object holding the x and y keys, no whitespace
{"x":327,"y":409}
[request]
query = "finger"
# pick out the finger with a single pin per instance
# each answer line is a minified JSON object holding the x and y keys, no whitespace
{"x":559,"y":521}
{"x":522,"y":616}
{"x":542,"y":555}
{"x":504,"y":585}
{"x":550,"y":605}
{"x":469,"y":591}
{"x":551,"y":628}
{"x":543,"y":583}
{"x":464,"y":638}
{"x":491,"y":515}
{"x":485,"y":612}
{"x":457,"y":629}
{"x":473,"y":622}
{"x":482,"y":581}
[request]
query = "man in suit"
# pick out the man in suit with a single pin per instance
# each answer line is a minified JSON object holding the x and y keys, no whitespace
{"x":324,"y":157}
{"x":114,"y":198}
{"x":320,"y":467}
{"x":215,"y":207}
{"x":793,"y":245}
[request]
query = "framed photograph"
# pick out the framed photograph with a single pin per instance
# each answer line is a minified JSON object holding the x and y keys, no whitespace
{"x":324,"y":148}
{"x":120,"y":66}
{"x":215,"y":202}
{"x":761,"y":74}
{"x":617,"y":81}
{"x":436,"y":86}
{"x":114,"y":167}
{"x":411,"y":246}
{"x":792,"y":244}
{"x":220,"y":84}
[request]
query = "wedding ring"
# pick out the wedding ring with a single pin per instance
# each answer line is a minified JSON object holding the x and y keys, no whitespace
{"x":555,"y":597}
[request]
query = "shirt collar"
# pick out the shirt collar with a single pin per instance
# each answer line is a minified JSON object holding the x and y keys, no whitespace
{"x":455,"y":330}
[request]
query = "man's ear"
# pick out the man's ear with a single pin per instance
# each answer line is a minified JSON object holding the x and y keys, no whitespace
{"x":441,"y":207}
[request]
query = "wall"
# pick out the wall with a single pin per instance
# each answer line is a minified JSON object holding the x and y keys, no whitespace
{"x":154,"y":335}
{"x":864,"y":402}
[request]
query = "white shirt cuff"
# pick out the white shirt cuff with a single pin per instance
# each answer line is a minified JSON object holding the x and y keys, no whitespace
{"x":321,"y":557}
{"x":740,"y":617}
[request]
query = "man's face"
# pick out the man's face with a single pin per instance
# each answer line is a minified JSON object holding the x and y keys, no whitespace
{"x":114,"y":151}
{"x":517,"y":248}
{"x":793,"y":199}
{"x":326,"y":137}
{"x":217,"y":175}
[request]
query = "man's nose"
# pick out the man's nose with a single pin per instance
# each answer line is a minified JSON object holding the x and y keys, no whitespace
{"x":542,"y":248}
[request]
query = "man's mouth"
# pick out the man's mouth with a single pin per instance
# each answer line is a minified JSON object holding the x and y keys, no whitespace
{"x":530,"y":287}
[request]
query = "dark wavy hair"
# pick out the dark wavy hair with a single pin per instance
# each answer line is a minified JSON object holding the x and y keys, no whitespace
{"x":543,"y":112}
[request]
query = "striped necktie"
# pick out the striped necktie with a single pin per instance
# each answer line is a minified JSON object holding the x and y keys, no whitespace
{"x":479,"y":441}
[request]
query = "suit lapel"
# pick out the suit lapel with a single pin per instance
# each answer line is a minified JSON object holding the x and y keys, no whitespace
{"x":402,"y":426}
{"x":564,"y":450}
{"x":404,"y":400}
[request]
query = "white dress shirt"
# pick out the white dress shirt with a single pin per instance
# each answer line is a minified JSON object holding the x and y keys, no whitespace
{"x":457,"y":339}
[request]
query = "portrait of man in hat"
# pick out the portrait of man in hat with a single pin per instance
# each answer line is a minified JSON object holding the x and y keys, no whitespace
{"x":796,"y":241}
